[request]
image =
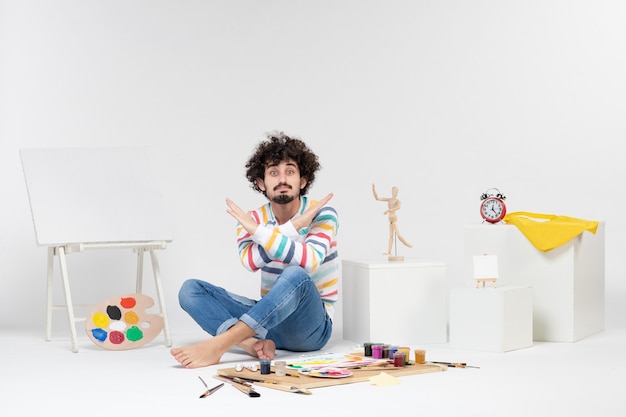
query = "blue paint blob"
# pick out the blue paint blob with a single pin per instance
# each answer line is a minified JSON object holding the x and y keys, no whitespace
{"x":99,"y":334}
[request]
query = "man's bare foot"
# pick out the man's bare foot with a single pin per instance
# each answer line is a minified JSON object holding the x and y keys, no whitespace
{"x":199,"y":355}
{"x":262,"y":349}
{"x":265,"y":349}
{"x":210,"y":351}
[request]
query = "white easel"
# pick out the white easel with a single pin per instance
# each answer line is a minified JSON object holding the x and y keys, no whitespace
{"x":93,"y":199}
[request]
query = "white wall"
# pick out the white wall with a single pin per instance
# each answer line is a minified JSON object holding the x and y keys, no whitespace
{"x":443,"y":99}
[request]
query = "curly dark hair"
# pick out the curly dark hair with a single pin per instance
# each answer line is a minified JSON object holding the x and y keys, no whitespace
{"x":280,"y":147}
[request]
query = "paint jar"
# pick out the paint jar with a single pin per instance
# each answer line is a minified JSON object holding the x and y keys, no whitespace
{"x":386,"y":354}
{"x":420,"y":356}
{"x":280,"y":368}
{"x":398,"y":359}
{"x":406,"y":352}
{"x":392,"y":349}
{"x":377,"y":351}
{"x":367,"y":348}
{"x":265,"y":366}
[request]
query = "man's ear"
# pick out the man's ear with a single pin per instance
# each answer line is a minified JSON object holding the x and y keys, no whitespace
{"x":303,"y":182}
{"x":260,"y":183}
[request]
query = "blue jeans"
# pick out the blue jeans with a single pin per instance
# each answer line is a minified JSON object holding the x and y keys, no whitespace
{"x":292,"y":314}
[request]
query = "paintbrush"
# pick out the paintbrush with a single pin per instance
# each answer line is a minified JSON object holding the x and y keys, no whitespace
{"x":455,"y":364}
{"x":283,"y":387}
{"x":269,"y":384}
{"x":240,"y":384}
{"x":209,"y":391}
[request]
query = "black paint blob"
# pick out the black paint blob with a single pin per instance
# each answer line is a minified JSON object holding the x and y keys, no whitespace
{"x":114,"y":312}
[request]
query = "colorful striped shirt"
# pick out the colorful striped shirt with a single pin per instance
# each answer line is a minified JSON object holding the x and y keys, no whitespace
{"x":273,"y":247}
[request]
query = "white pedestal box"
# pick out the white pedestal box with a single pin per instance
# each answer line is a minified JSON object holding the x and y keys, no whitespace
{"x":568,"y":281}
{"x":402,"y":302}
{"x":491,"y":319}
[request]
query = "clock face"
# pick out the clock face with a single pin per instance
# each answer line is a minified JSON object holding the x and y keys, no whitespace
{"x":492,"y":209}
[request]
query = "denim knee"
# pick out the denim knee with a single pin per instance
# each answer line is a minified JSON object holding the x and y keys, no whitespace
{"x":295,"y":275}
{"x":187,"y":289}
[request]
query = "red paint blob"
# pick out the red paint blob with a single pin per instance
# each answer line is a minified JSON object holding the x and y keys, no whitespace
{"x":128,"y":302}
{"x":116,"y":337}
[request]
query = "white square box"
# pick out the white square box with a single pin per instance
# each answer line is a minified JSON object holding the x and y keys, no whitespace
{"x":401,"y":302}
{"x":567,"y":282}
{"x":491,"y":319}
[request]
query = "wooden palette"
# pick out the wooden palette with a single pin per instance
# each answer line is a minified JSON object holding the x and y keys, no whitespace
{"x":121,"y":322}
{"x":304,"y":381}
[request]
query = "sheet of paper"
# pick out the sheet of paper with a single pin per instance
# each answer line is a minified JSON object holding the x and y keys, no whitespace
{"x":384,"y":379}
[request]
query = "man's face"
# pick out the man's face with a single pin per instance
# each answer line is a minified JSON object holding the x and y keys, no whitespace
{"x":282,"y":182}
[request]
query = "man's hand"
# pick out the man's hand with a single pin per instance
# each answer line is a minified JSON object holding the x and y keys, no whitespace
{"x":306,"y":218}
{"x":246,"y":221}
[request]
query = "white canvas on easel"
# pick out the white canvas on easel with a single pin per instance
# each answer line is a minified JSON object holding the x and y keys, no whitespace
{"x":485,"y":269}
{"x":95,"y":198}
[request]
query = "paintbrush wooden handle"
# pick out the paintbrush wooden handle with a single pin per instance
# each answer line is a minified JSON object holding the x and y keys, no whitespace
{"x":246,"y":390}
{"x":283,"y":387}
{"x":243,"y":387}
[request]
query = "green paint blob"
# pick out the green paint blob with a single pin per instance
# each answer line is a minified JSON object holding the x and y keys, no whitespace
{"x":134,"y":334}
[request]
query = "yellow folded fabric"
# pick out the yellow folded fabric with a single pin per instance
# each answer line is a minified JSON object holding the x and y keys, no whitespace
{"x":549,"y":231}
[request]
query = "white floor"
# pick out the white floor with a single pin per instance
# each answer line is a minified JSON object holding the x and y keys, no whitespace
{"x":584,"y":379}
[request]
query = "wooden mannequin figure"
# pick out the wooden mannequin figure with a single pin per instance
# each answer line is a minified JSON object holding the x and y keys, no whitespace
{"x":393,"y":204}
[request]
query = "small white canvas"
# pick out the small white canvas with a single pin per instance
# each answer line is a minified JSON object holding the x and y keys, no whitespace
{"x":485,"y":266}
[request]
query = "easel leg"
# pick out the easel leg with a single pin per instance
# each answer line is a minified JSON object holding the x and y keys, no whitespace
{"x":50,"y":275}
{"x":68,"y":297}
{"x":159,"y":290}
{"x":138,"y":285}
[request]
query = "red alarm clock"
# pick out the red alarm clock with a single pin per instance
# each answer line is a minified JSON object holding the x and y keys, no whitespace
{"x":492,"y":208}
